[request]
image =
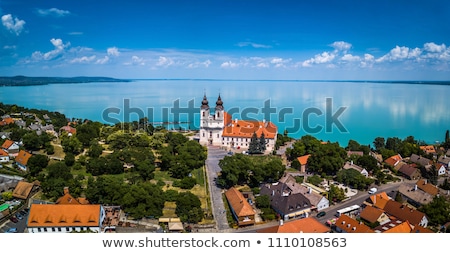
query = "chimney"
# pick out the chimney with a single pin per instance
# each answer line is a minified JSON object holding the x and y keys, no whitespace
{"x":281,"y":222}
{"x":309,"y":190}
{"x":351,"y":162}
{"x":415,"y":187}
{"x":66,"y":190}
{"x":425,"y":181}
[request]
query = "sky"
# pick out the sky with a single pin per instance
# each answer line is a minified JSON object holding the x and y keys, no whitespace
{"x":227,"y":39}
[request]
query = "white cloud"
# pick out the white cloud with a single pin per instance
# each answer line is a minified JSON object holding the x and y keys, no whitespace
{"x":113,"y":51}
{"x":58,"y":51}
{"x":75,"y":33}
{"x":350,"y":57}
{"x":341,"y":46}
{"x":53,"y":12}
{"x":164,"y":61}
{"x":279,"y":62}
{"x":400,"y":53}
{"x":434,"y":48}
{"x":325,"y":57}
{"x":199,"y":64}
{"x":83,"y":59}
{"x":252,"y":44}
{"x":103,"y":60}
{"x":229,"y":65}
{"x":14,"y":25}
{"x":9,"y":47}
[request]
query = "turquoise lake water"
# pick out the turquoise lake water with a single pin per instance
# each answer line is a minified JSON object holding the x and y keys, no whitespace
{"x":362,"y":111}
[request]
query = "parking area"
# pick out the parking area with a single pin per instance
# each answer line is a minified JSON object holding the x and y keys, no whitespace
{"x":16,"y":223}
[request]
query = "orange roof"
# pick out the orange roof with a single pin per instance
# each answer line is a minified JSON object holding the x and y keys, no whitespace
{"x":303,"y":159}
{"x":8,"y":120}
{"x":3,"y":152}
{"x":403,"y":227}
{"x":427,"y":187}
{"x":246,"y":128}
{"x":379,"y":200}
{"x":428,"y":149}
{"x":393,"y":160}
{"x":23,"y":157}
{"x":7,"y":144}
{"x":67,"y":199}
{"x":306,"y":225}
{"x":64,"y":215}
{"x":371,"y":214}
{"x":239,"y":204}
{"x":350,"y":225}
{"x":69,"y":129}
{"x":22,"y":190}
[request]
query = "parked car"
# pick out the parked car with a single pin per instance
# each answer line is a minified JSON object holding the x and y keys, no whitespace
{"x":321,"y":214}
{"x":23,"y":213}
{"x":372,"y":190}
{"x":19,"y":216}
{"x":14,"y":219}
{"x":11,"y":230}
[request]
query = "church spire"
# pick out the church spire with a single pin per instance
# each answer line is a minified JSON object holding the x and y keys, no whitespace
{"x":219,"y":103}
{"x":205,"y":102}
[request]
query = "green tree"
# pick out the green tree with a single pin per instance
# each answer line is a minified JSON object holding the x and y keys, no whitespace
{"x":262,"y":143}
{"x":69,"y":159}
{"x":254,"y":146}
{"x":95,"y":150}
{"x":262,"y":201}
{"x":32,"y":141}
{"x":37,"y":163}
{"x":379,"y":143}
{"x":438,"y":210}
{"x":336,"y":194}
{"x":189,"y":208}
{"x":87,"y":132}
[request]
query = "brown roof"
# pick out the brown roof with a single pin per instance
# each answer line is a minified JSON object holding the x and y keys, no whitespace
{"x":23,"y":157}
{"x":306,"y":225}
{"x":239,"y":204}
{"x":22,"y":190}
{"x":7,"y":144}
{"x":350,"y":225}
{"x":429,"y":149}
{"x":246,"y":128}
{"x":379,"y":200}
{"x":403,"y":212}
{"x":408,"y":169}
{"x":303,"y":159}
{"x":371,"y":214}
{"x":427,"y":187}
{"x":3,"y":152}
{"x":64,"y":215}
{"x":420,"y":229}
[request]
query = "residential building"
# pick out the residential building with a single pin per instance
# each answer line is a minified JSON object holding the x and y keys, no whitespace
{"x":406,"y":213}
{"x":68,"y":199}
{"x":425,"y":162}
{"x":346,"y":224}
{"x":217,"y":128}
{"x":22,"y":159}
{"x":411,"y":194}
{"x":303,"y":160}
{"x":410,"y":171}
{"x":373,"y":215}
{"x":242,"y":211}
{"x":394,"y":161}
{"x":440,"y":168}
{"x":51,"y":218}
{"x":394,"y":226}
{"x":351,"y":165}
{"x":4,"y":156}
{"x":306,"y":225}
{"x":445,"y":160}
{"x":11,"y":147}
{"x":378,"y":200}
{"x":24,"y":189}
{"x":428,"y":149}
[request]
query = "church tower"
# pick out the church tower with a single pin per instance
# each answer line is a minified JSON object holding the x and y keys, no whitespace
{"x":211,"y":123}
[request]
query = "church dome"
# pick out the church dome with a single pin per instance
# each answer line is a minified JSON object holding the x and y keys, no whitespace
{"x":219,"y":103}
{"x":205,"y":103}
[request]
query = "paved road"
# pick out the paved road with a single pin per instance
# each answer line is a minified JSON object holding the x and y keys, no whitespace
{"x":215,"y":154}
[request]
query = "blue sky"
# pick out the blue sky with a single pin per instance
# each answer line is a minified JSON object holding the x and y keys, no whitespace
{"x":234,"y":39}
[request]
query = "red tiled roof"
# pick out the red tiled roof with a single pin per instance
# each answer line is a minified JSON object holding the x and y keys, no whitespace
{"x":303,"y":159}
{"x":7,"y":144}
{"x":239,"y":204}
{"x":3,"y":152}
{"x":427,"y":187}
{"x":306,"y":225}
{"x":246,"y":128}
{"x":379,"y":200}
{"x":64,"y":215}
{"x":393,"y":160}
{"x":23,"y":157}
{"x":371,"y":214}
{"x":350,"y":225}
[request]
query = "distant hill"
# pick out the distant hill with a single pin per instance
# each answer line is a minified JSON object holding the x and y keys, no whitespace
{"x":26,"y":80}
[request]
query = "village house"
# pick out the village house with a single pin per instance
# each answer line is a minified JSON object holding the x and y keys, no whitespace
{"x":405,"y":213}
{"x":68,"y":199}
{"x":410,"y":171}
{"x":351,"y":165}
{"x":6,"y":121}
{"x":303,"y":160}
{"x":64,"y":218}
{"x":22,"y":159}
{"x":23,"y":189}
{"x":11,"y":147}
{"x":4,"y":156}
{"x":219,"y":129}
{"x":444,"y":160}
{"x":428,"y":149}
{"x":306,"y":225}
{"x":394,"y":226}
{"x":346,"y":224}
{"x":67,"y":129}
{"x":440,"y":168}
{"x":395,"y":161}
{"x":373,"y":215}
{"x":242,"y":211}
{"x":378,"y":200}
{"x":425,"y":162}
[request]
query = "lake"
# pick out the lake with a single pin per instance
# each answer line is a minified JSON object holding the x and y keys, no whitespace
{"x":331,"y":111}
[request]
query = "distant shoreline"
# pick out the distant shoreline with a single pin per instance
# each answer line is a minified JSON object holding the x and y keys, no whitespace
{"x":30,"y":81}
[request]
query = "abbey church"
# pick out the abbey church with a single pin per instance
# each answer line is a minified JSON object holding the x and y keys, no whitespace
{"x":217,"y":128}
